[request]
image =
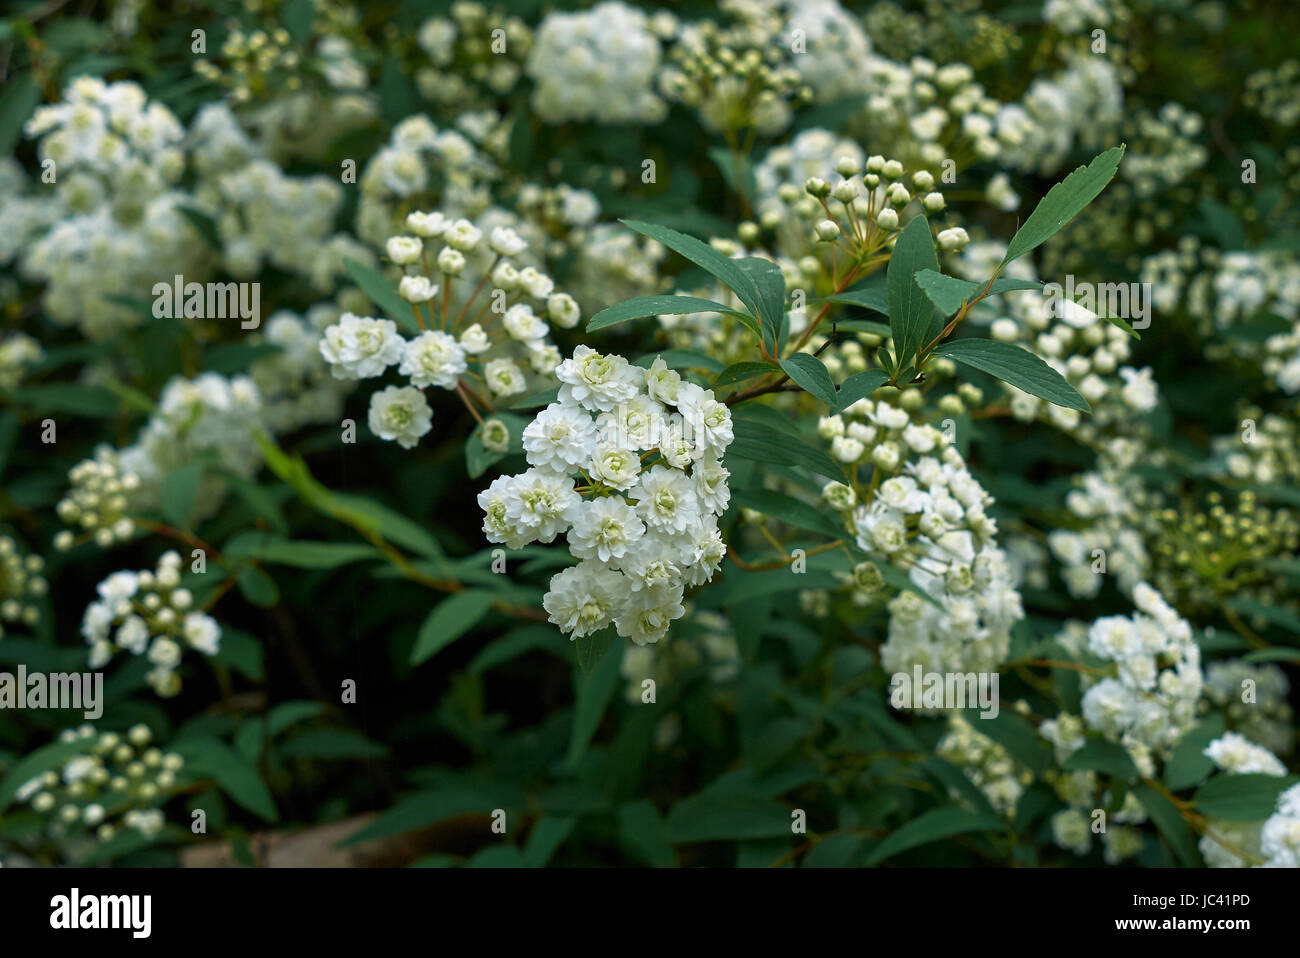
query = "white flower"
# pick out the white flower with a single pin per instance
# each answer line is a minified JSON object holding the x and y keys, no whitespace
{"x":416,"y":289}
{"x":661,"y":383}
{"x":474,"y":340}
{"x":615,"y":466}
{"x":583,"y":599}
{"x":358,"y":347}
{"x":666,"y":499}
{"x":504,"y":377}
{"x":451,"y":262}
{"x":1139,"y":390}
{"x":901,"y":493}
{"x":506,"y":242}
{"x":523,"y":324}
{"x":707,"y":421}
{"x":597,"y":382}
{"x":433,"y":358}
{"x":711,"y":484}
{"x":562,"y":436}
{"x":604,"y":529}
{"x":462,"y":235}
{"x":536,"y":283}
{"x":541,"y":504}
{"x":404,"y":250}
{"x":400,"y":413}
{"x":1234,"y":753}
{"x":202,"y":632}
{"x":427,"y":225}
{"x":647,"y":613}
{"x":563,"y":310}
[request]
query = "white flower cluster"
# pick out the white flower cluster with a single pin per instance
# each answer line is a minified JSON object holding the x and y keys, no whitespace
{"x":1149,"y":702}
{"x":1164,"y":148}
{"x":115,"y":782}
{"x":1274,"y":842}
{"x":928,"y":113}
{"x":465,"y":54}
{"x":1108,"y":504}
{"x":295,"y":383}
{"x":117,"y":158}
{"x":151,"y":614}
{"x":210,"y":415}
{"x":596,"y":66}
{"x":928,"y":515}
{"x":987,"y":765}
{"x":834,"y":43}
{"x":97,"y":501}
{"x":422,"y":166}
{"x":1254,"y":698}
{"x":17,"y":352}
{"x":714,"y":647}
{"x":1082,"y":104}
{"x":648,"y":446}
{"x":453,"y":341}
{"x":1234,"y":753}
{"x":21,"y":584}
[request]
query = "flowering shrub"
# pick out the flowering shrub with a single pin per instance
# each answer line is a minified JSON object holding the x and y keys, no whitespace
{"x":788,"y":433}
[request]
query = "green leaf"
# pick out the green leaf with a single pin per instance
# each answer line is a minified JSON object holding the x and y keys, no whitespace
{"x":948,"y":293}
{"x":791,"y":511}
{"x":859,"y":385}
{"x":739,"y":372}
{"x":1273,"y":614}
{"x":330,"y":745}
{"x":716,"y":815}
{"x":545,"y":839}
{"x":910,"y":311}
{"x":589,"y":650}
{"x":872,"y":294}
{"x":770,"y":283}
{"x":236,"y":775}
{"x":1169,"y":823}
{"x":1063,"y":202}
{"x":810,"y":374}
{"x":383,"y":294}
{"x":203,"y":225}
{"x":1102,"y":755}
{"x":642,"y":306}
{"x":20,"y":98}
{"x":298,"y":553}
{"x":1014,"y":365}
{"x":1189,"y":764}
{"x":680,"y":359}
{"x":92,"y":402}
{"x":450,"y":619}
{"x":723,"y":268}
{"x":1248,"y":797}
{"x":643,"y":832}
{"x":936,"y":824}
{"x":754,"y":438}
{"x":256,"y":586}
{"x":178,"y":492}
{"x":594,"y":691}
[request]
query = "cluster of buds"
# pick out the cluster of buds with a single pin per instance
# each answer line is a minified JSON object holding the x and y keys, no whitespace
{"x":471,"y":47}
{"x":116,"y":782}
{"x":1201,"y":557}
{"x":454,"y":350}
{"x":733,"y":80}
{"x":151,"y":614}
{"x":255,"y":64}
{"x":97,"y":503}
{"x":21,"y":583}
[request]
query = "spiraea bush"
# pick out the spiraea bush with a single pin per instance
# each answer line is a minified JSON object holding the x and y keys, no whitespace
{"x":768,"y":432}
